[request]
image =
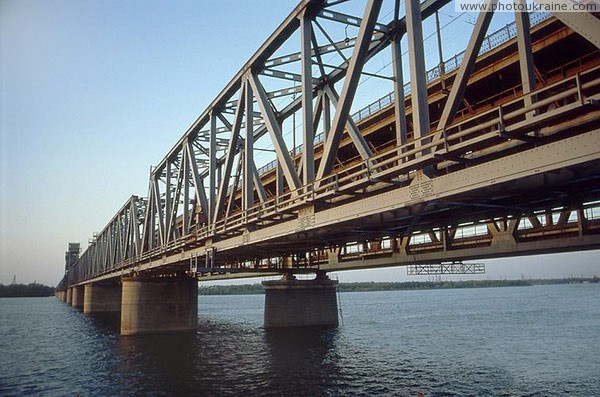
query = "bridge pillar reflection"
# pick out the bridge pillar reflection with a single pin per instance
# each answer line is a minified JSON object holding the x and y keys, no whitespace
{"x":102,"y":298}
{"x":158,"y":304}
{"x":299,"y":303}
{"x":77,"y":297}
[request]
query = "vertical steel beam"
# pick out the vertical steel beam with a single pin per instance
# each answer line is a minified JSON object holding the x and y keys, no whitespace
{"x":359,"y":57}
{"x":173,"y":214}
{"x":308,"y":136}
{"x":418,"y":78}
{"x":159,"y":209}
{"x":148,"y":229}
{"x":168,"y":201}
{"x":279,"y":175}
{"x":462,"y":76}
{"x":399,"y":110}
{"x":326,"y":116}
{"x":283,"y":154}
{"x":212,"y":166}
{"x":525,"y":55}
{"x":200,"y":194}
{"x":187,"y":166}
{"x":235,"y":185}
{"x":232,"y":150}
{"x":247,"y":191}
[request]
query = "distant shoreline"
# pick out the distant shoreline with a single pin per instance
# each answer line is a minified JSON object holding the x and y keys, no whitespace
{"x":254,"y":289}
{"x":32,"y":290}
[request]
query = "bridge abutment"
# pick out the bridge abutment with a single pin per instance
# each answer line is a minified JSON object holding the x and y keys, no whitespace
{"x":160,"y":304}
{"x":300,"y":303}
{"x":102,"y":298}
{"x":77,"y":297}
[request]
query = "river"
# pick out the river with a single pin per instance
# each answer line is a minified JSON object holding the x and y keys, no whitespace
{"x":509,"y":341}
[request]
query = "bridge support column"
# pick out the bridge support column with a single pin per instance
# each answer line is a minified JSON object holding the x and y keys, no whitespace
{"x":77,"y":298}
{"x":69,"y":296}
{"x":102,"y":298}
{"x":161,"y":304}
{"x":299,"y":303}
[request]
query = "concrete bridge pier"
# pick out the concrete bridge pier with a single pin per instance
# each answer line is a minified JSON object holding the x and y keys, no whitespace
{"x":102,"y":298}
{"x":159,"y":304}
{"x":61,"y":295}
{"x":69,"y":296}
{"x":298,"y":303}
{"x":77,"y":297}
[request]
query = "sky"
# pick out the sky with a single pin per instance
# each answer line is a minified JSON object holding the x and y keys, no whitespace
{"x":93,"y":93}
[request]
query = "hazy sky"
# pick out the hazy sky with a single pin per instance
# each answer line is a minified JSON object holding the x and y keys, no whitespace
{"x":95,"y":92}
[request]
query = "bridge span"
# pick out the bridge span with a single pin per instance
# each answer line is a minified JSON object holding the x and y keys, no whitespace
{"x":494,"y":152}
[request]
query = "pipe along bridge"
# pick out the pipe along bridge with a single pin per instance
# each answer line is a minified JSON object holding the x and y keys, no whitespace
{"x":493,"y":152}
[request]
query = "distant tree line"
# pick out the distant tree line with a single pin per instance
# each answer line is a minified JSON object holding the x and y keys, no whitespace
{"x":22,"y":290}
{"x":250,"y":289}
{"x":245,"y":289}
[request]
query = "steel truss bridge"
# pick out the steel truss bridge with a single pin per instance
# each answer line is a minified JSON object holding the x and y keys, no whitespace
{"x":494,"y":152}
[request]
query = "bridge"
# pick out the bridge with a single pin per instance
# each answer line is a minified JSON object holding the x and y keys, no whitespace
{"x":493,"y":152}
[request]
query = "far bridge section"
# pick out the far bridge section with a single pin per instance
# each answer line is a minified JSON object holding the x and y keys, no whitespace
{"x":494,"y":152}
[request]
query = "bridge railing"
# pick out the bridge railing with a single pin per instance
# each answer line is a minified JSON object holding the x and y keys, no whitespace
{"x":491,"y":42}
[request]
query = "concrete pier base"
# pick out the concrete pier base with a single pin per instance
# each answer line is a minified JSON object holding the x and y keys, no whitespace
{"x":102,"y":298}
{"x":69,"y":296}
{"x":299,"y":303}
{"x":77,"y":298}
{"x":61,"y":295}
{"x":161,"y":304}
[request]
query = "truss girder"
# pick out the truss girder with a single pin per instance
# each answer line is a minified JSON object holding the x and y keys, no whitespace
{"x":194,"y":189}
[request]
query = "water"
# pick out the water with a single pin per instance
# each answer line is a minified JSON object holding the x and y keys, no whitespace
{"x":522,"y":341}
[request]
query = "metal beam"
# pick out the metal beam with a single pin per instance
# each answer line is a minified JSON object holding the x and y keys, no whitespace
{"x":232,"y":150}
{"x":235,"y":185}
{"x":186,"y":164}
{"x":418,"y":77}
{"x":399,"y":110}
{"x":212,"y":167}
{"x":159,"y":210}
{"x":283,"y":154}
{"x":462,"y":76}
{"x":349,"y":19}
{"x":308,"y":135}
{"x":525,"y":53}
{"x":359,"y":57}
{"x":247,"y":192}
{"x":260,"y":189}
{"x":198,"y":184}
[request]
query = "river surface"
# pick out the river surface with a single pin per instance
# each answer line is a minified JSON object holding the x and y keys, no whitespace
{"x":519,"y":341}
